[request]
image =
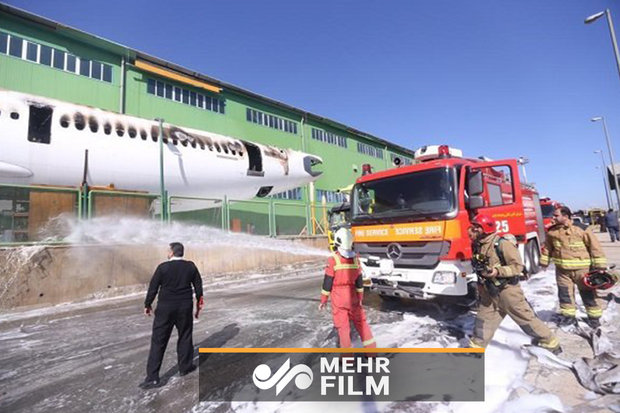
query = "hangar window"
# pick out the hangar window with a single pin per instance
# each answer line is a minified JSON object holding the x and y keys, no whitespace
{"x":107,"y":73}
{"x":84,"y":67}
{"x":271,"y":121}
{"x":79,"y":121}
{"x":40,"y":124}
{"x":59,"y":59}
{"x":4,"y":42}
{"x":16,"y":46}
{"x":186,"y":96}
{"x":290,"y":194}
{"x":45,"y":57}
{"x":32,"y":52}
{"x":96,"y":70}
{"x":328,"y":137}
{"x":48,"y":56}
{"x":71,"y":60}
{"x":369,"y":150}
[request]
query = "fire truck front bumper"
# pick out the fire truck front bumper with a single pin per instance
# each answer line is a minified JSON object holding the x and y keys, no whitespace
{"x":449,"y":279}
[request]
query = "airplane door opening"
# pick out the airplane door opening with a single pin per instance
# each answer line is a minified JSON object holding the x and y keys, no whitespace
{"x":255,"y":158}
{"x":40,"y":124}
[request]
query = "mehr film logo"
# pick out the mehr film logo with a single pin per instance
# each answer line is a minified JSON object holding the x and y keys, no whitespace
{"x":336,"y":374}
{"x":341,"y":374}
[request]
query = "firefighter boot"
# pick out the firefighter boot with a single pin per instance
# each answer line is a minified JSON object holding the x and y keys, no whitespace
{"x":552,"y":344}
{"x":594,"y":322}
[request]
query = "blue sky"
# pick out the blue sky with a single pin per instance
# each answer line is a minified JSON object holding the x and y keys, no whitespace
{"x":492,"y":77}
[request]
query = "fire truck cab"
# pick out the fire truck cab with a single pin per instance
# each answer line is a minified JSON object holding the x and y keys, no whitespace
{"x":410,"y":223}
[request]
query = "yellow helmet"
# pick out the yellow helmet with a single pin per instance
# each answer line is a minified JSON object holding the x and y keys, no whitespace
{"x":343,"y":239}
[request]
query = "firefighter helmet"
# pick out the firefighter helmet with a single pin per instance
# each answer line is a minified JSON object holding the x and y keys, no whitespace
{"x":485,"y":222}
{"x":343,"y":239}
{"x":600,"y":279}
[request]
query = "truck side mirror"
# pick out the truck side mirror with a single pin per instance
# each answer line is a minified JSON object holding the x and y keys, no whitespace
{"x":474,"y":184}
{"x":475,"y":202}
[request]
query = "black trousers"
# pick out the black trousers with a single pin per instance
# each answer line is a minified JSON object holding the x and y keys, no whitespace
{"x":168,"y":315}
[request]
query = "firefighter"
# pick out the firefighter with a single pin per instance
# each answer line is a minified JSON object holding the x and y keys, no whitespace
{"x":498,"y":265}
{"x":343,"y":282}
{"x":573,"y":251}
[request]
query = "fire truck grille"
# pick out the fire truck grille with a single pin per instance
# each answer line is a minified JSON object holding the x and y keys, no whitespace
{"x":423,"y":254}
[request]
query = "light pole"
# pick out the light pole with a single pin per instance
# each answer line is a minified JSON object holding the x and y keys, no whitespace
{"x":612,"y":33}
{"x":611,"y":156}
{"x":522,"y":161}
{"x":605,"y":182}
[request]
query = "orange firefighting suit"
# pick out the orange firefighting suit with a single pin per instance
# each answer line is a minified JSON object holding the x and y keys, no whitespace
{"x":343,"y":281}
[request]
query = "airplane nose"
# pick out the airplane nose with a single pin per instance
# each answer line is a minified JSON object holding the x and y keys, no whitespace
{"x":309,"y":162}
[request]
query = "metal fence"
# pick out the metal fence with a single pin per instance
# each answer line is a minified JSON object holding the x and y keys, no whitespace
{"x":28,"y":213}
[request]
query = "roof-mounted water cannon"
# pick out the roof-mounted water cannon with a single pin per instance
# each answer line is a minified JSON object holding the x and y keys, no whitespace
{"x":432,"y":152}
{"x":398,"y":162}
{"x":366,"y":169}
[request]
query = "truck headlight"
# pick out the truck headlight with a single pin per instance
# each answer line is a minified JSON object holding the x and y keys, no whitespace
{"x":444,"y":277}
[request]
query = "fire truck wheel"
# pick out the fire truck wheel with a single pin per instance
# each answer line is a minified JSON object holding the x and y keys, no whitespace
{"x":527,"y":258}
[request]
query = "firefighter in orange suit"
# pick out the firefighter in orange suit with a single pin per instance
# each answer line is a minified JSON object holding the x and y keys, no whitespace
{"x":343,"y":282}
{"x":573,"y":251}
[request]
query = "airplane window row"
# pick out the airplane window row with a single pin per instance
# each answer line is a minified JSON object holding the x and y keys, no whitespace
{"x":80,"y":122}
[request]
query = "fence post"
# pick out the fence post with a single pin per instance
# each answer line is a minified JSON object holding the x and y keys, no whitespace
{"x":225,"y":214}
{"x":272,"y":219}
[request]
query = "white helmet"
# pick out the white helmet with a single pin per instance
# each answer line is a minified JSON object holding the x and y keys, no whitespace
{"x":343,"y":240}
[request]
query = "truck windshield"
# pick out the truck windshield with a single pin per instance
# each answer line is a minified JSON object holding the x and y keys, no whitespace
{"x":547,"y":210}
{"x":412,"y":196}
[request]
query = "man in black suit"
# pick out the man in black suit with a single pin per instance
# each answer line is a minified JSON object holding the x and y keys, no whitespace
{"x":174,"y":280}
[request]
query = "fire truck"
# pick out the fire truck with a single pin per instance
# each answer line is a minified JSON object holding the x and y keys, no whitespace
{"x":410,"y":223}
{"x":547,"y":206}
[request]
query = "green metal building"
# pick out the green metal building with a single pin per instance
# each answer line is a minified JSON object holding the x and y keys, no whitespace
{"x":43,"y":57}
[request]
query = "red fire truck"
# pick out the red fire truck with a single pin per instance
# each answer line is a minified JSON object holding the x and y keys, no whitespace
{"x":410,"y":223}
{"x":547,"y":206}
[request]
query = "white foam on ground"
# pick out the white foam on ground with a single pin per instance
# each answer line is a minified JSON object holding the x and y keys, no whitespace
{"x":505,"y":365}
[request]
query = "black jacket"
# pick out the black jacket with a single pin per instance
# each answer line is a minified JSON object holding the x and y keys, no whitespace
{"x":174,"y":279}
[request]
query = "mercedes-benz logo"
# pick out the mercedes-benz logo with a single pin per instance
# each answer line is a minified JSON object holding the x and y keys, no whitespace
{"x":394,"y":251}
